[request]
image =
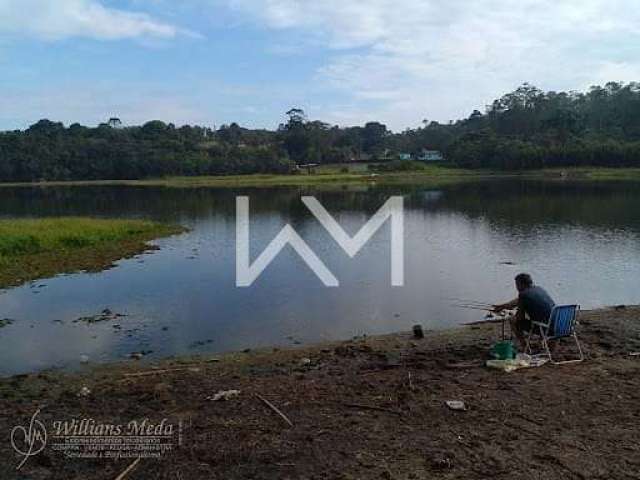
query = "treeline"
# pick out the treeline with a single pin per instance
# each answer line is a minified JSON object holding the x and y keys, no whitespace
{"x":527,"y":128}
{"x":49,"y":151}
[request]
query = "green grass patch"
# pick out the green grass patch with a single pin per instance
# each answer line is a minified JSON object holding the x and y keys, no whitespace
{"x":410,"y":172}
{"x":338,"y":174}
{"x":321,"y":176}
{"x":35,"y":248}
{"x":601,"y":173}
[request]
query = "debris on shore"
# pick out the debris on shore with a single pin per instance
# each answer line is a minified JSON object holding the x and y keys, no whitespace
{"x":200,"y":343}
{"x":5,"y":322}
{"x":223,"y":395}
{"x":139,"y":355}
{"x":105,"y":316}
{"x":367,"y":408}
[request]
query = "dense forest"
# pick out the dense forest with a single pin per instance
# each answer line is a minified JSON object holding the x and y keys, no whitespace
{"x":527,"y":128}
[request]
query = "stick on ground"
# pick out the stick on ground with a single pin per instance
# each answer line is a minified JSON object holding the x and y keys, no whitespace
{"x":128,"y":469}
{"x":166,"y":370}
{"x":275,"y":409}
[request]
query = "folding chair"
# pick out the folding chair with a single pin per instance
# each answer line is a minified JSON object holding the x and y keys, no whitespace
{"x":561,"y":324}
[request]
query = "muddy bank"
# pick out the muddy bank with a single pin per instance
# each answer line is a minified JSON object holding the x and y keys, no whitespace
{"x":368,"y":408}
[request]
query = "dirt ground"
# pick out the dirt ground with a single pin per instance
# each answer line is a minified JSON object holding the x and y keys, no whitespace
{"x":368,"y":408}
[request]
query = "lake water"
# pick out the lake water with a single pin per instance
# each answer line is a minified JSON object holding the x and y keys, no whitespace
{"x":581,"y":241}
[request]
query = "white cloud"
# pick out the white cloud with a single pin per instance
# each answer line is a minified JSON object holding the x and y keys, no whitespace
{"x":57,"y":19}
{"x":403,"y":60}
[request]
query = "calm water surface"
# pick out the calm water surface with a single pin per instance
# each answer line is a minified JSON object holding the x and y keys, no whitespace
{"x":579,"y":240}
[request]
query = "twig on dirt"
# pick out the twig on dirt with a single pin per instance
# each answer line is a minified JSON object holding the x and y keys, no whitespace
{"x":371,"y":407}
{"x":275,"y":409}
{"x":128,"y":469}
{"x":528,"y":419}
{"x":166,"y":370}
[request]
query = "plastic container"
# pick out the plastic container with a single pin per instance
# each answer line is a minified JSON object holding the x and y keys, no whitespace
{"x":504,"y":350}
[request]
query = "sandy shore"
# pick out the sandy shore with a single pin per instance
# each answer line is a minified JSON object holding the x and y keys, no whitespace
{"x":372,"y":407}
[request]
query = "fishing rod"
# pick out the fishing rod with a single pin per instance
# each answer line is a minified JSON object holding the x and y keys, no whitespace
{"x":490,"y":311}
{"x":476,"y":305}
{"x":472,"y":307}
{"x":464,"y":301}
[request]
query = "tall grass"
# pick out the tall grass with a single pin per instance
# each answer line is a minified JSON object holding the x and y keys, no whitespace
{"x":31,"y":236}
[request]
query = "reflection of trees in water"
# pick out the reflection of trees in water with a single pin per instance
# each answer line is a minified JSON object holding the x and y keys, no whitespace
{"x":160,"y":203}
{"x":190,"y":203}
{"x":507,"y":203}
{"x":524,"y":204}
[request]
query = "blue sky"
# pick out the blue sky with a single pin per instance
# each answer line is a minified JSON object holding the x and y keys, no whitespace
{"x":346,"y":62}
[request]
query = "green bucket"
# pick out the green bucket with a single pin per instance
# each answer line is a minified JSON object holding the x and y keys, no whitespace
{"x":503,"y":351}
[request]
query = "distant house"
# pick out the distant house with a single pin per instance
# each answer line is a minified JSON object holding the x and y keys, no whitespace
{"x":310,"y":167}
{"x":115,"y":122}
{"x":404,"y":156}
{"x":430,"y":156}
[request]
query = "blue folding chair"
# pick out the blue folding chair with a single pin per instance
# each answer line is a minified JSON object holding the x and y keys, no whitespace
{"x":562,"y":323}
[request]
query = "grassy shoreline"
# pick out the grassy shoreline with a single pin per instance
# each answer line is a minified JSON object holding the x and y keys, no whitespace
{"x":324,"y":175}
{"x":333,"y":175}
{"x":37,"y":248}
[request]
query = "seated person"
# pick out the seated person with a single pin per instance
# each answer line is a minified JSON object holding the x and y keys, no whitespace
{"x":533,"y":303}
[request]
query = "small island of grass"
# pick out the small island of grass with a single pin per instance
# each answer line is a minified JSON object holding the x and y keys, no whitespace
{"x":37,"y":248}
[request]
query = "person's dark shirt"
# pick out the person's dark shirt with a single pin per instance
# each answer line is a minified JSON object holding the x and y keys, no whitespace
{"x":536,"y":303}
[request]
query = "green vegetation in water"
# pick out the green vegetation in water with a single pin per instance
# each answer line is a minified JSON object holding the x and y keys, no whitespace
{"x":4,"y":322}
{"x":36,"y":248}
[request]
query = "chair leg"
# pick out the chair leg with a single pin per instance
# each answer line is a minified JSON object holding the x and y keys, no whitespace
{"x":542,"y":350}
{"x":577,"y":360}
{"x":527,"y":348}
{"x":545,"y":345}
{"x":575,"y":337}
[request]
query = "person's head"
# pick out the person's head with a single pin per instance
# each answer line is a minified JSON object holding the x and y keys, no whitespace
{"x":523,"y":281}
